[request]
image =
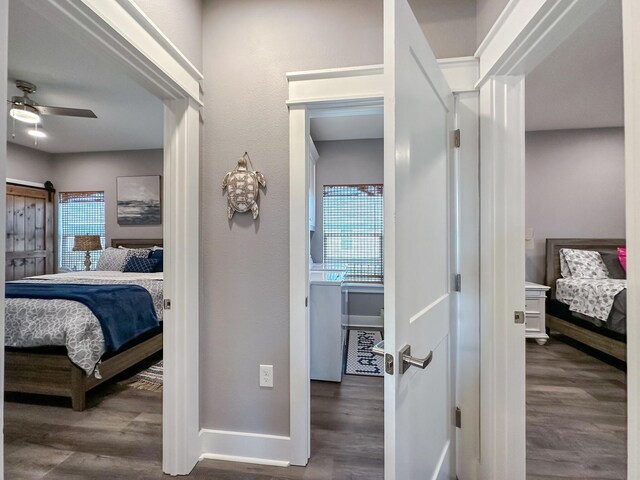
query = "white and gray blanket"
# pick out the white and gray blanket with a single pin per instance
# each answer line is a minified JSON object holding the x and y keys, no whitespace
{"x":31,"y":322}
{"x":589,"y":296}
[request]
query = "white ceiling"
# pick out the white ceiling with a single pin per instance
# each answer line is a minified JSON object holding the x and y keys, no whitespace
{"x":580,"y":85}
{"x":69,"y":75}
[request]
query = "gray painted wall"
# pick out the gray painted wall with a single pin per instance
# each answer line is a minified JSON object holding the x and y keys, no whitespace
{"x":98,"y":171}
{"x":29,"y":164}
{"x":487,"y":12}
{"x":574,"y":188}
{"x":245,"y":264}
{"x":89,"y":171}
{"x":450,"y":26}
{"x":344,"y":162}
{"x":181,"y":22}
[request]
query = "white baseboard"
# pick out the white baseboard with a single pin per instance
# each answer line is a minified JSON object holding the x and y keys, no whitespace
{"x":245,"y":447}
{"x":365,"y":321}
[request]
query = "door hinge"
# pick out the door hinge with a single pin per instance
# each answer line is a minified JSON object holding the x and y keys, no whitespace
{"x":456,"y":138}
{"x":306,"y":301}
{"x":457,"y":282}
{"x":458,"y":417}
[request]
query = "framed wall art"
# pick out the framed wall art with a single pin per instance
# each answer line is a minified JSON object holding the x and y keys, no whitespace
{"x":139,"y":200}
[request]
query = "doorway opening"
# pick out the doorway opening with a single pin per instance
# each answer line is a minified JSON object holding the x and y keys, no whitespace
{"x":176,"y":114}
{"x":84,"y":213}
{"x":575,"y":218}
{"x":346,"y":287}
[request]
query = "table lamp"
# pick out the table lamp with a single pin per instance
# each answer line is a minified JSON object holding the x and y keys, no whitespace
{"x":87,"y":243}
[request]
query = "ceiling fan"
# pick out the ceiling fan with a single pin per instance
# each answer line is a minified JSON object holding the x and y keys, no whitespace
{"x":26,"y":110}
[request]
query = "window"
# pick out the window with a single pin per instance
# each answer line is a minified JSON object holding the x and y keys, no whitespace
{"x":80,"y":213}
{"x":353,"y":229}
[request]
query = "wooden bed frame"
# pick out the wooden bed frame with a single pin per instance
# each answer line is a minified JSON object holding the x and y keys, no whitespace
{"x":54,"y":374}
{"x":603,"y":343}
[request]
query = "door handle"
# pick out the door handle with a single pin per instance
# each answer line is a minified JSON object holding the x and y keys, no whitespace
{"x":378,"y":349}
{"x":408,"y":361}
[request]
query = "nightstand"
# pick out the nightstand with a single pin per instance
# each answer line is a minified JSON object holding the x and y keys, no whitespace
{"x":534,"y":311}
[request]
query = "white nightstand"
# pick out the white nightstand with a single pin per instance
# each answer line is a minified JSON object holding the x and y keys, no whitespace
{"x":534,"y":311}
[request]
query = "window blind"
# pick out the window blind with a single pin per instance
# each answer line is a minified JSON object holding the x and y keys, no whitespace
{"x":353,"y":230}
{"x":79,"y":213}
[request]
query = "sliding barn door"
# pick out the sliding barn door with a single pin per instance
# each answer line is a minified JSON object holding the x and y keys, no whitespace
{"x":29,"y":244}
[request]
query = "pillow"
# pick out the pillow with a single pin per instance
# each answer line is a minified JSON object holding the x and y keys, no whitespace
{"x":612,"y":262}
{"x":158,"y":255}
{"x":141,"y":265}
{"x":622,"y":256}
{"x":585,"y":263}
{"x":112,"y":259}
{"x":137,"y":252}
{"x":564,"y":266}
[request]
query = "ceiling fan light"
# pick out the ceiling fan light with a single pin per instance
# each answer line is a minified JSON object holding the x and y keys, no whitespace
{"x":37,"y":133}
{"x":26,"y":114}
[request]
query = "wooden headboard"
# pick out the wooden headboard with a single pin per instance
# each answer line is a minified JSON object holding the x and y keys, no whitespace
{"x":136,"y":243}
{"x":552,"y":272}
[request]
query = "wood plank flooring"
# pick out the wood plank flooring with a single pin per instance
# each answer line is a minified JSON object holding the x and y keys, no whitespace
{"x":576,"y":429}
{"x":576,"y":415}
{"x":119,"y":437}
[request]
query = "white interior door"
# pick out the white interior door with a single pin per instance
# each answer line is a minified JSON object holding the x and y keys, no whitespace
{"x":419,"y":411}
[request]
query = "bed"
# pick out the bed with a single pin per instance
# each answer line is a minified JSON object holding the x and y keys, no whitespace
{"x":607,"y":335}
{"x":49,"y":370}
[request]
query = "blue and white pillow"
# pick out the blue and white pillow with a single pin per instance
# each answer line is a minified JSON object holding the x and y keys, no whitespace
{"x":141,"y":265}
{"x":158,"y":254}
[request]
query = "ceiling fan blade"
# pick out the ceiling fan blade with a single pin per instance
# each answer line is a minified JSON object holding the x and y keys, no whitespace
{"x":67,"y":112}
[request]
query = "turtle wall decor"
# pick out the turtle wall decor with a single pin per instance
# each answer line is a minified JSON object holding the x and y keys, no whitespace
{"x":243,"y":188}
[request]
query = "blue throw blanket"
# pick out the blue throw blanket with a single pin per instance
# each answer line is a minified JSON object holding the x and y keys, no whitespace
{"x":124,"y":311}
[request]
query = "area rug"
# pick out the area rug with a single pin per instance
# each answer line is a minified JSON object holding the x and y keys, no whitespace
{"x":360,"y":359}
{"x":149,"y":379}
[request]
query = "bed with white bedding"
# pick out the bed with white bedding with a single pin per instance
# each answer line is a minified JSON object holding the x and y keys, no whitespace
{"x":35,"y":322}
{"x":62,"y":347}
{"x":588,"y":304}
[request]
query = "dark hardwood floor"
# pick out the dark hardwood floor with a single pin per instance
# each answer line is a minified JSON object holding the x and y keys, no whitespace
{"x":576,"y":415}
{"x":119,"y":437}
{"x":576,"y":429}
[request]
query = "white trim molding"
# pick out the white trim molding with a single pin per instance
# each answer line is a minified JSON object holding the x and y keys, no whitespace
{"x":631,"y":39}
{"x":461,"y":73}
{"x":181,"y":221}
{"x":502,"y":388}
{"x":310,"y":94}
{"x":335,"y":86}
{"x":245,"y":447}
{"x":525,"y":33}
{"x":120,"y":34}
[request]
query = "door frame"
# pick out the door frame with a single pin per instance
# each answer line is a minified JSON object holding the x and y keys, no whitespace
{"x":309,"y":92}
{"x":526,"y":32}
{"x":120,"y":33}
{"x":318,"y":92}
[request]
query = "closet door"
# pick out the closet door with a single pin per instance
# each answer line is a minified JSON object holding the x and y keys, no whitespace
{"x":29,"y":243}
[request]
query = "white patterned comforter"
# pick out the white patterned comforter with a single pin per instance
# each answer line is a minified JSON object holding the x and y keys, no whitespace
{"x":588,"y":296}
{"x":31,"y":322}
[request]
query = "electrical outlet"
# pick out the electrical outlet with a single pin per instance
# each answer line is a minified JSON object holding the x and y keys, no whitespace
{"x":266,"y":376}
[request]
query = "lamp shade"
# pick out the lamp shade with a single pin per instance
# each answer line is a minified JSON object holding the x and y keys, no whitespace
{"x":85,"y":243}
